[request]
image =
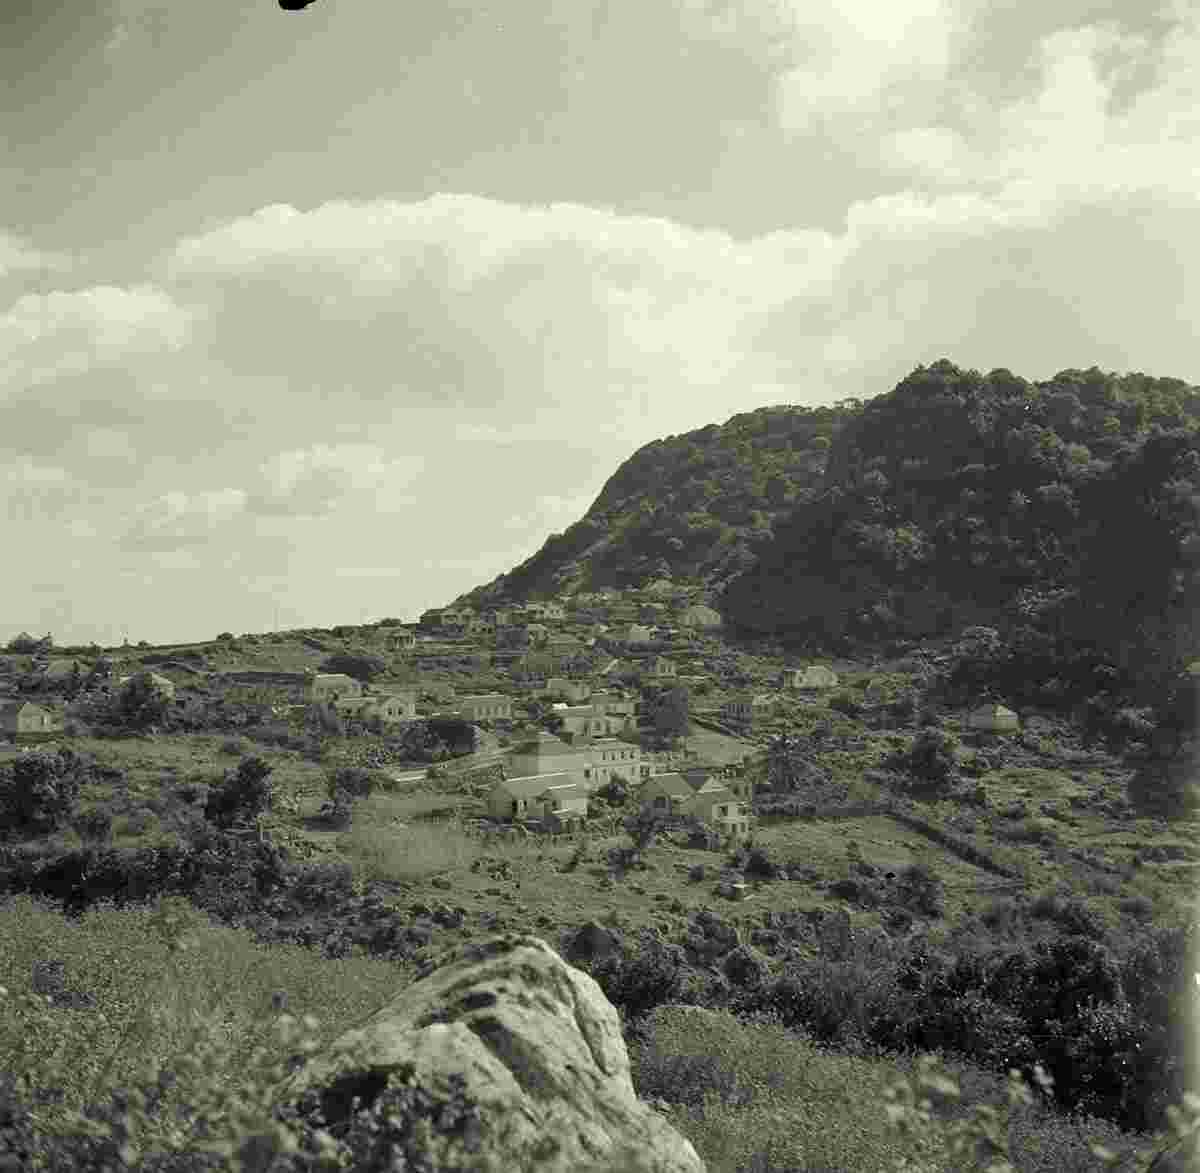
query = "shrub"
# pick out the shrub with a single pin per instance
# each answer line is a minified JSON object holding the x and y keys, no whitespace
{"x":353,"y":782}
{"x":1069,"y":913}
{"x":918,"y":889}
{"x":854,"y":891}
{"x":93,"y":826}
{"x":243,"y":796}
{"x":234,"y":747}
{"x":39,"y":790}
{"x":651,"y":975}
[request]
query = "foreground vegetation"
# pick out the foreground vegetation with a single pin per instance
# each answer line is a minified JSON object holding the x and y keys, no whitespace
{"x":193,"y":1023}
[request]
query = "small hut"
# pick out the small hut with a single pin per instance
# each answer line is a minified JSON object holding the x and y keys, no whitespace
{"x":993,"y":718}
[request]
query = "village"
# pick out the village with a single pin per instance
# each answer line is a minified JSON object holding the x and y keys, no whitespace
{"x":565,"y":698}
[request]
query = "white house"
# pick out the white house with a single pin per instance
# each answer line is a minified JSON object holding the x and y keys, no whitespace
{"x":993,"y":718}
{"x":814,"y":676}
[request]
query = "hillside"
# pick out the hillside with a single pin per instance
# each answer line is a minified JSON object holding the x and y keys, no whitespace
{"x":694,"y":507}
{"x":1064,"y":509}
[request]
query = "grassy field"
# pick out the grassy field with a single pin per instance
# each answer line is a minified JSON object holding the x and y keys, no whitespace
{"x":752,"y":1096}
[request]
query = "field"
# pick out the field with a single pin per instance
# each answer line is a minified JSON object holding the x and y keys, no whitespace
{"x":1052,"y":823}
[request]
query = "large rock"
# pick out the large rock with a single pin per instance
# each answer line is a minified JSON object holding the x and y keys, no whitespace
{"x":539,"y":1048}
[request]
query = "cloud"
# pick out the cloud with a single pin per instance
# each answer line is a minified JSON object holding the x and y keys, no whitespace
{"x":18,"y":256}
{"x":314,"y":482}
{"x":178,"y":520}
{"x":44,"y":336}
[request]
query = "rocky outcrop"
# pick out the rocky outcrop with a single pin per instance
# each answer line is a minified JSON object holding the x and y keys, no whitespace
{"x":529,"y":1042}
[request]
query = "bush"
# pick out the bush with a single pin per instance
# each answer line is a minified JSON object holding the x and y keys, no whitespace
{"x":918,"y":889}
{"x":353,"y":782}
{"x":243,"y":796}
{"x":39,"y":790}
{"x":651,"y":975}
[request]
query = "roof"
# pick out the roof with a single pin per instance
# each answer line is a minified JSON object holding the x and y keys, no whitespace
{"x":333,"y":676}
{"x":8,"y":708}
{"x":531,"y":785}
{"x":672,"y":783}
{"x":486,"y":696}
{"x":543,"y":743}
{"x":711,"y":786}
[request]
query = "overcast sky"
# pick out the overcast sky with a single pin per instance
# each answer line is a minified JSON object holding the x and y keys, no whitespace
{"x":310,"y":318}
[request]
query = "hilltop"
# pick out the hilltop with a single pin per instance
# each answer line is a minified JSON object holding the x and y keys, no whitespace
{"x":694,"y":507}
{"x":1062,"y":512}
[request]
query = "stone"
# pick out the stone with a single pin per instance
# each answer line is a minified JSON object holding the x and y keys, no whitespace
{"x":534,"y":1045}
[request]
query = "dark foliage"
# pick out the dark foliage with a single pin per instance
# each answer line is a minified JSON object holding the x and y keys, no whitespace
{"x":241,"y":796}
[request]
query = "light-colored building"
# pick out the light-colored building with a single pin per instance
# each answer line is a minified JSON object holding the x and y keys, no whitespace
{"x":700,"y":617}
{"x":489,"y":706}
{"x":607,"y":756}
{"x":666,"y":792}
{"x":659,"y":668}
{"x":25,"y":721}
{"x":714,"y":803}
{"x":747,"y":711}
{"x":400,"y":640}
{"x":583,"y":721}
{"x":635,"y":633}
{"x":397,"y":705}
{"x":555,"y":794}
{"x":546,"y":754}
{"x":575,"y":691}
{"x":814,"y":676}
{"x":333,"y":686}
{"x":993,"y":718}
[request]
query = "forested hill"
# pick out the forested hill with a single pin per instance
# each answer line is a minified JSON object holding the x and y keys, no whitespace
{"x":1069,"y":507}
{"x":692,"y":507}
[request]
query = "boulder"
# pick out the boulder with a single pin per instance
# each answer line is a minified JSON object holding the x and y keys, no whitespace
{"x":529,"y":1042}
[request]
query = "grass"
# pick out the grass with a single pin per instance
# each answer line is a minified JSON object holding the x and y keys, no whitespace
{"x":176,"y":993}
{"x":180,"y":994}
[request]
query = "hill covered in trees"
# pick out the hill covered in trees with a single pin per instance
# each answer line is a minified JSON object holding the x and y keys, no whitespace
{"x":1063,"y":514}
{"x":694,"y":507}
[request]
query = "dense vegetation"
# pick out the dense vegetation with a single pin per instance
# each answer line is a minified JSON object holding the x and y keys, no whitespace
{"x":694,"y":506}
{"x":1062,"y":514}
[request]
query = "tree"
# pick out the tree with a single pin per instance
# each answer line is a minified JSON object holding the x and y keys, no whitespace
{"x":362,"y":667}
{"x":143,"y":702}
{"x":671,"y":714}
{"x":39,"y":790}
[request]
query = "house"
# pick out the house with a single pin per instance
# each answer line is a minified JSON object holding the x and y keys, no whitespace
{"x":659,"y":668}
{"x":635,"y":633}
{"x":993,"y":718}
{"x":607,"y":756}
{"x":573,"y":690}
{"x":401,"y":641}
{"x":545,"y":754}
{"x":333,"y":686}
{"x":25,"y":721}
{"x":700,"y":617}
{"x":488,"y":706}
{"x":537,"y":796}
{"x":161,"y":683}
{"x":666,"y":792}
{"x":613,"y":704}
{"x":814,"y":676}
{"x":538,"y":633}
{"x":714,"y":803}
{"x":583,"y":721}
{"x":659,"y":588}
{"x":747,"y":711}
{"x":400,"y":705}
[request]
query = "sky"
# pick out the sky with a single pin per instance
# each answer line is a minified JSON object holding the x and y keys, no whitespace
{"x":322,"y":317}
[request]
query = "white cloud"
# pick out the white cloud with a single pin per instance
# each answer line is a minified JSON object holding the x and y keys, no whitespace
{"x":176,"y":519}
{"x":18,"y":256}
{"x":313,"y":482}
{"x":44,"y":336}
